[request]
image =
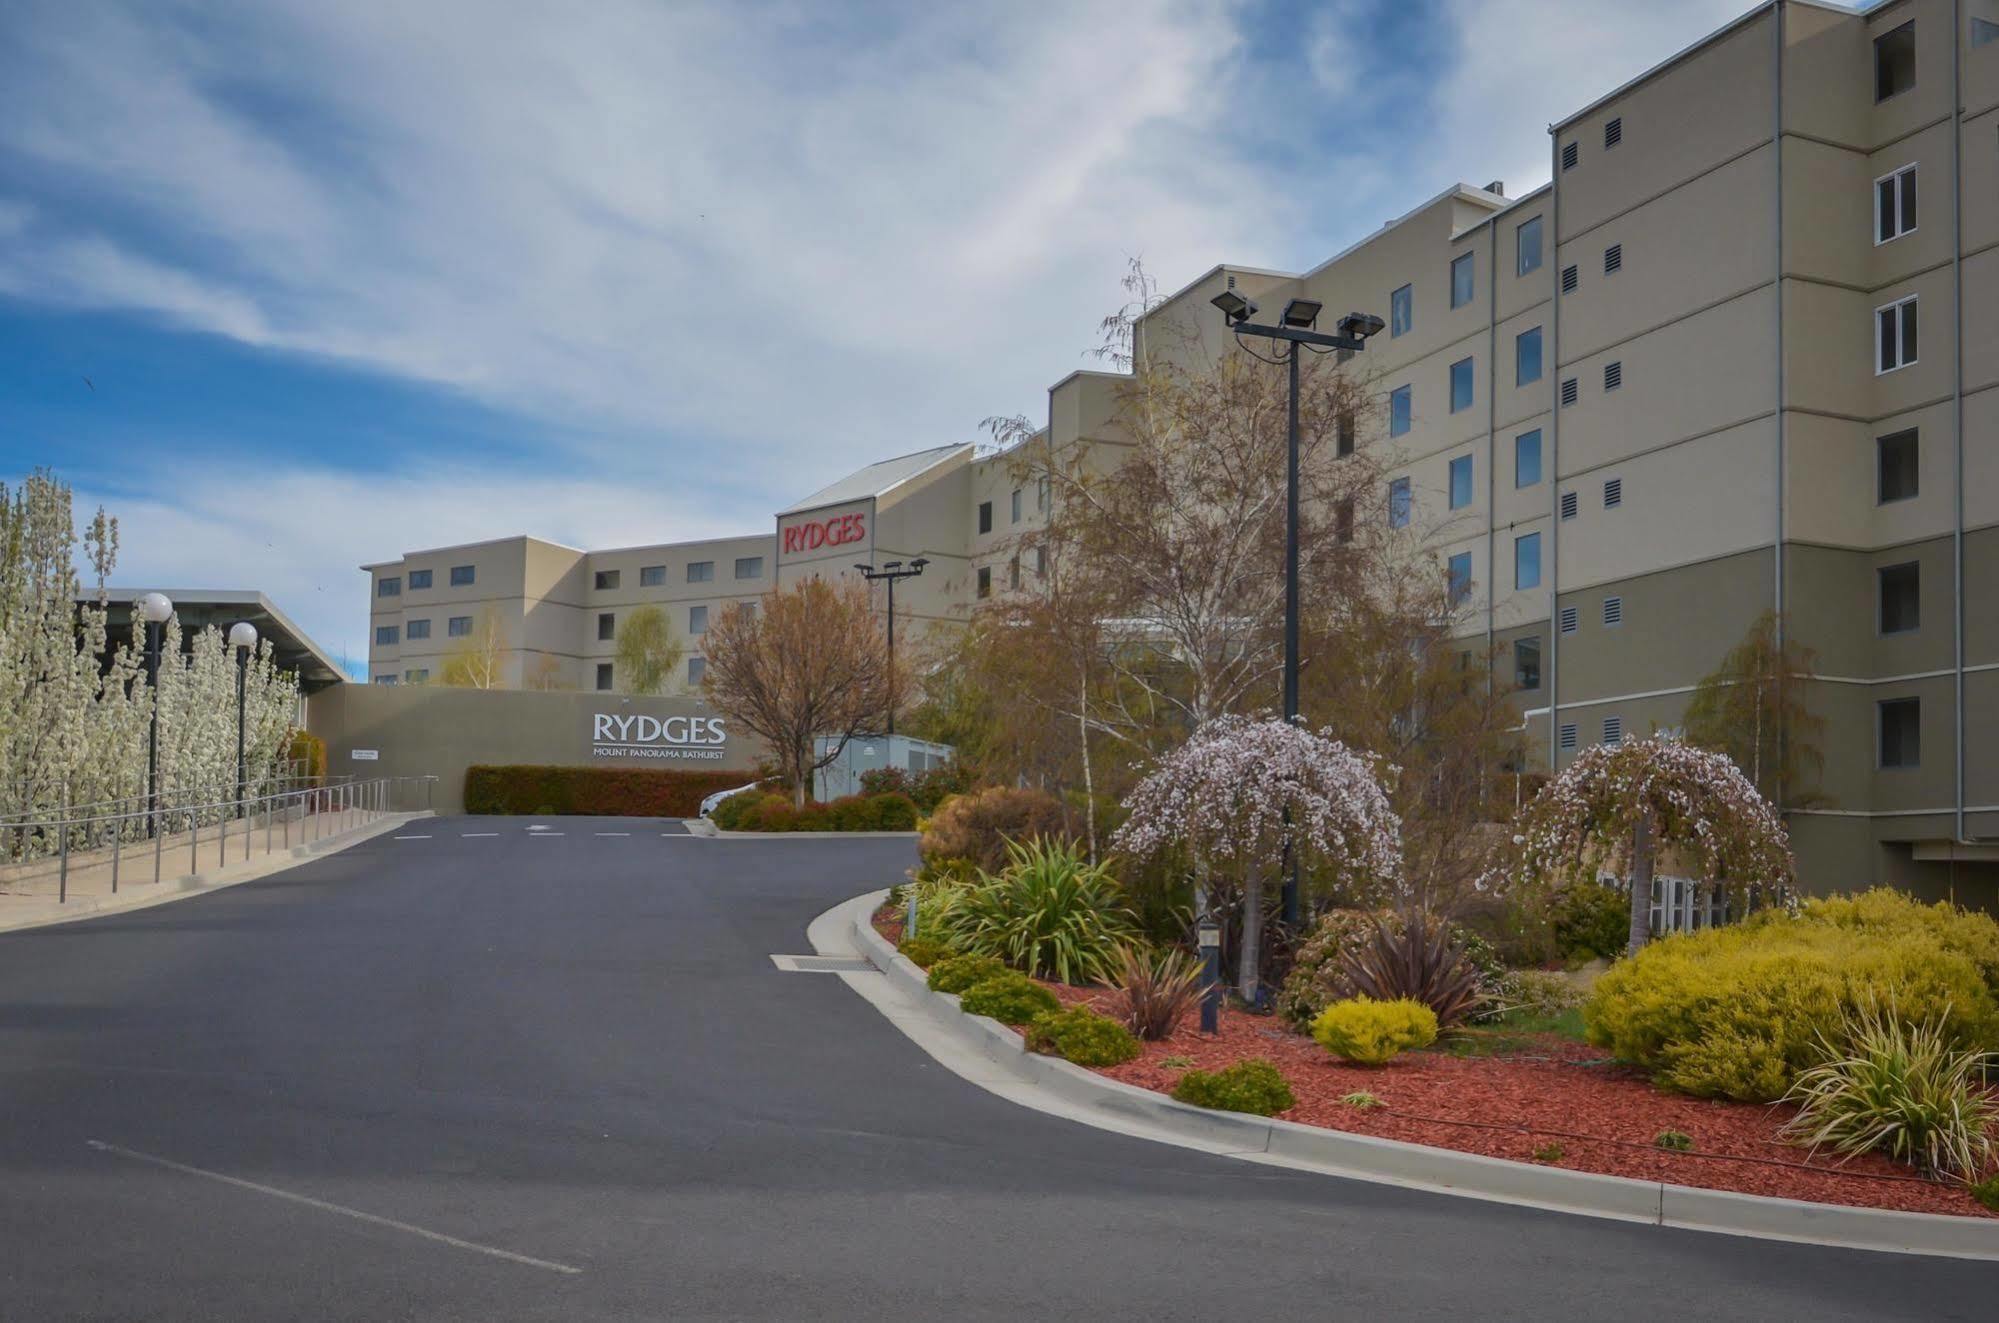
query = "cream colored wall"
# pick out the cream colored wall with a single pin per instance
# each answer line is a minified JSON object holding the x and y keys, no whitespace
{"x":1831,"y":479}
{"x":676,"y":596}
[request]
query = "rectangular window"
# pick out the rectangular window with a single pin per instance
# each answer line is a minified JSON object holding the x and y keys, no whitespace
{"x":1527,"y":561}
{"x":1461,"y":385}
{"x":1401,"y":310}
{"x":417,"y":629}
{"x":606,"y":580}
{"x":607,"y":625}
{"x":385,"y":634}
{"x":1343,"y":434}
{"x":1613,"y":375}
{"x":1613,"y":259}
{"x":697,"y":619}
{"x":1983,"y":32}
{"x":1461,"y":279}
{"x":1398,"y":503}
{"x":386,"y":679}
{"x":1895,"y":465}
{"x":1901,"y":732}
{"x":604,"y":675}
{"x":1568,"y":505}
{"x":390,"y":587}
{"x":1527,"y":663}
{"x":1895,"y":62}
{"x":1613,"y":610}
{"x":1571,"y":155}
{"x":1895,"y":204}
{"x":1613,"y":493}
{"x":419,"y":579}
{"x":1527,"y":458}
{"x":749,"y":567}
{"x":1613,"y":132}
{"x":1895,"y":335}
{"x":1527,"y":247}
{"x":1041,"y":562}
{"x":458,"y":627}
{"x":985,"y":516}
{"x":1901,"y":597}
{"x":1613,"y":730}
{"x":985,"y":581}
{"x":652,"y":576}
{"x":1343,"y":521}
{"x":417,"y":675}
{"x":700,"y":571}
{"x":1459,"y":572}
{"x":1041,"y":496}
{"x":1013,"y":574}
{"x":1527,"y":356}
{"x":1571,"y":392}
{"x":1016,"y":505}
{"x":696,"y":668}
{"x":1571,"y":619}
{"x":1400,"y":410}
{"x":1571,"y":278}
{"x":1568,"y":734}
{"x":461,"y":576}
{"x":1461,"y":475}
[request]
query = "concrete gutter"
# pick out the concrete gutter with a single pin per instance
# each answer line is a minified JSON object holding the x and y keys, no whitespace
{"x":993,"y":1056}
{"x":143,"y":895}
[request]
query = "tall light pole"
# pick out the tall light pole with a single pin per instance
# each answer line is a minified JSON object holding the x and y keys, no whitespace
{"x":243,"y":638}
{"x":1296,"y":330}
{"x":155,"y":609}
{"x":892,"y":571}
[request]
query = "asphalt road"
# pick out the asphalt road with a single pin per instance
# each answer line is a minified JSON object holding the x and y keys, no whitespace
{"x":492,"y":1077}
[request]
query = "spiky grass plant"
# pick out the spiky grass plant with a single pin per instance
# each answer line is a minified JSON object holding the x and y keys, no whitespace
{"x":1419,"y":960}
{"x":1900,"y":1088}
{"x":1049,"y":912}
{"x":1154,"y":989}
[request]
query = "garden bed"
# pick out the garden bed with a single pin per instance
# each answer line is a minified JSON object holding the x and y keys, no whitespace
{"x":1532,"y":1091}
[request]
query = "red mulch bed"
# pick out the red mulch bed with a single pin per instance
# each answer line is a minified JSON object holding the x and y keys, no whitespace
{"x":1555,"y":1091}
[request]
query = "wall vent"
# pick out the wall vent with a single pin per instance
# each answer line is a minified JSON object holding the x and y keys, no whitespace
{"x":1571,"y":153}
{"x":1568,"y":735}
{"x":1613,"y":258}
{"x":1569,"y":392}
{"x":1570,"y":620}
{"x":1613,"y":493}
{"x":1613,"y":730}
{"x":1613,"y":132}
{"x":1568,"y":505}
{"x":1613,"y":610}
{"x":1613,"y":375}
{"x":1570,"y":279}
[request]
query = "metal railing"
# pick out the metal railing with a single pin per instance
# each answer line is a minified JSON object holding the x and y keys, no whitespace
{"x":97,"y":840}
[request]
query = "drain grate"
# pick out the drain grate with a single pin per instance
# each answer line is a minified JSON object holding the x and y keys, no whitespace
{"x":818,"y":964}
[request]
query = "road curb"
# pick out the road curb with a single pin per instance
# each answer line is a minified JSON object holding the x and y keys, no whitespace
{"x":144,"y":895}
{"x":1090,"y":1097}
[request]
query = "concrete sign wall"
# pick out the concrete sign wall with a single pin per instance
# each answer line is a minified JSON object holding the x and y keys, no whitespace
{"x":425,"y":730}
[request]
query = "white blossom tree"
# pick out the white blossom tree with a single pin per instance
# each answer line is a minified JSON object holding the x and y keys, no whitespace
{"x":1241,"y":790}
{"x":1621,"y":807}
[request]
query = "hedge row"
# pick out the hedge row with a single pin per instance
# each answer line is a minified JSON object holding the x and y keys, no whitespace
{"x":751,"y":811}
{"x":634,"y":792}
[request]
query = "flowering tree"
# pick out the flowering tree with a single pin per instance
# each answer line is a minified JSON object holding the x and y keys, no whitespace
{"x":1622,"y":805}
{"x":1240,"y":791}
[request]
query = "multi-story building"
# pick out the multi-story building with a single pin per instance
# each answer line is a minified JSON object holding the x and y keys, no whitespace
{"x":1740,"y":355}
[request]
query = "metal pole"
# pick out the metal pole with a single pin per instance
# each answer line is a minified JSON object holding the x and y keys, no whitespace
{"x":242,"y":679}
{"x":154,"y":629}
{"x":117,"y":838}
{"x":1208,"y":934}
{"x":1291,"y":623}
{"x":159,"y":838}
{"x":62,"y":830}
{"x":891,"y":668}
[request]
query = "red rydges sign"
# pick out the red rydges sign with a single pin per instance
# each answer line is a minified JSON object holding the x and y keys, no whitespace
{"x":834,"y":532}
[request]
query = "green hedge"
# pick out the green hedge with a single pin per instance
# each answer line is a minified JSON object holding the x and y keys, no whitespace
{"x":633,"y":792}
{"x":751,"y":811}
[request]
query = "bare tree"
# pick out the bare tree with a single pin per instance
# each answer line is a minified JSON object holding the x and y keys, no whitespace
{"x":479,"y":661}
{"x":648,"y":651}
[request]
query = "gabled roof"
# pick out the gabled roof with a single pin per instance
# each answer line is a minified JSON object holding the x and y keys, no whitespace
{"x":878,"y":479}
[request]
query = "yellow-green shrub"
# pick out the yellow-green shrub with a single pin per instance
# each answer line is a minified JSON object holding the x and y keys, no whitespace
{"x":1369,"y":1032}
{"x":1738,"y":1011}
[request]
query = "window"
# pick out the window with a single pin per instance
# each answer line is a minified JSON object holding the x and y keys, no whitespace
{"x":458,"y":627}
{"x":1613,"y":259}
{"x":1901,"y":597}
{"x":1895,"y":62}
{"x":385,"y":635}
{"x":607,"y":625}
{"x":1895,"y":335}
{"x":385,"y":679}
{"x":696,"y":668}
{"x":1398,"y":503}
{"x":1016,"y":505}
{"x":1343,"y":435}
{"x":1571,"y":620}
{"x":603,"y":675}
{"x":1895,"y":464}
{"x":1613,"y":730}
{"x":1461,"y":385}
{"x":749,"y":610}
{"x":1527,"y":458}
{"x":1527,"y":356}
{"x":652,"y":576}
{"x":749,"y":567}
{"x":419,"y":579}
{"x":461,"y":576}
{"x":417,"y":675}
{"x":1571,"y":155}
{"x":606,"y":580}
{"x":1459,"y":573}
{"x":1983,"y":32}
{"x":1527,"y":663}
{"x":700,"y":571}
{"x":1568,"y":735}
{"x":1571,"y":392}
{"x":1013,"y":573}
{"x":1613,"y":375}
{"x":1461,"y":482}
{"x":416,"y":629}
{"x":985,"y":581}
{"x":1400,"y":410}
{"x":1901,"y":732}
{"x":1041,"y":496}
{"x":1527,"y":561}
{"x":1895,"y":204}
{"x":1571,"y":278}
{"x":1613,"y":132}
{"x":697,"y":619}
{"x":1613,"y":493}
{"x":985,"y":516}
{"x":1461,"y":279}
{"x":1041,"y":562}
{"x":1401,"y":310}
{"x":1343,"y":521}
{"x":1568,"y":505}
{"x":1527,"y":247}
{"x":1613,"y":610}
{"x":390,"y":587}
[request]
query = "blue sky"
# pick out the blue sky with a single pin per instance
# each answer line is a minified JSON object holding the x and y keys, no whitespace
{"x":298,"y":284}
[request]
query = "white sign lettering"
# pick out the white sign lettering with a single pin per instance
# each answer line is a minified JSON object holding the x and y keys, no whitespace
{"x":365,"y":755}
{"x":640,"y":735}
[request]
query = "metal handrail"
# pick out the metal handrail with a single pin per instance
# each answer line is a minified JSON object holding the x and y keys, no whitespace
{"x":298,"y":782}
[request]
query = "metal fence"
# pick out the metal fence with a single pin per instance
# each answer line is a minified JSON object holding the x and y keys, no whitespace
{"x":153,"y":834}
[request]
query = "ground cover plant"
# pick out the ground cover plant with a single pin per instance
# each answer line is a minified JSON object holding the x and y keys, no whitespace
{"x":961,"y":973}
{"x":1009,"y":998}
{"x":1254,"y":1086}
{"x":1082,"y":1036}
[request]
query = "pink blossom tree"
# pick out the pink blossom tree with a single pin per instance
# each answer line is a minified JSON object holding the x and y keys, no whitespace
{"x":1621,"y":806}
{"x":1241,"y":790}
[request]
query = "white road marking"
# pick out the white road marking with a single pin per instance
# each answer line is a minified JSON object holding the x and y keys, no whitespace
{"x":412,"y":838}
{"x":326,"y":1207}
{"x":542,"y":835}
{"x":467,"y":835}
{"x":614,"y":833}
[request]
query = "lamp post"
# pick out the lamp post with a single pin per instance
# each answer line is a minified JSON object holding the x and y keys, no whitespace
{"x":155,"y":609}
{"x":1295,"y":328}
{"x":243,"y":638}
{"x":892,"y":571}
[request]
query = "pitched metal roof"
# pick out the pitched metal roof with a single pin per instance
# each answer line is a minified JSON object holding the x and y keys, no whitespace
{"x":877,"y":479}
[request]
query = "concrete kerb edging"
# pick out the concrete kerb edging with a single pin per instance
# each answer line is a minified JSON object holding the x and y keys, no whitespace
{"x":144,"y":895}
{"x":1364,"y":1157}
